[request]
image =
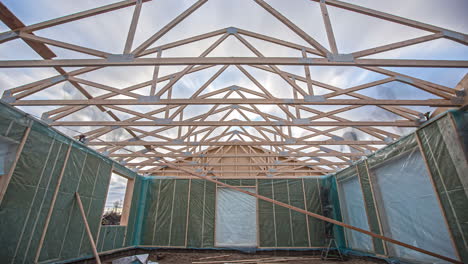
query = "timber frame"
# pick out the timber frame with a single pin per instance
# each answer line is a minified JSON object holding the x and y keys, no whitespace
{"x":210,"y":143}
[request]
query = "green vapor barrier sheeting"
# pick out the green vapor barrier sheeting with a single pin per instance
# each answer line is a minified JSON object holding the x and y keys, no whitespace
{"x":181,"y":213}
{"x":331,"y":208}
{"x":280,"y":227}
{"x":370,"y":205}
{"x":448,"y":166}
{"x":111,"y":237}
{"x":360,"y":170}
{"x":442,"y":145}
{"x":28,"y":198}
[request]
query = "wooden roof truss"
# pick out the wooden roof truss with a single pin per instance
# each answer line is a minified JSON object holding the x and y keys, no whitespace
{"x":206,"y":142}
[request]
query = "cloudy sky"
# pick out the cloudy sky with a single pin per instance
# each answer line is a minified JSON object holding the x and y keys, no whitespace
{"x":116,"y":192}
{"x":354,"y":32}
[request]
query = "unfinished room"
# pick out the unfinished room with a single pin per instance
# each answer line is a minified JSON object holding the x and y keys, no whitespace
{"x":233,"y":132}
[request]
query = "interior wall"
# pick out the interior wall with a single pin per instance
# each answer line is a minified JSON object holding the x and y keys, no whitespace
{"x":448,"y":166}
{"x":181,"y":213}
{"x":28,"y":200}
{"x":442,"y":165}
{"x":409,"y":208}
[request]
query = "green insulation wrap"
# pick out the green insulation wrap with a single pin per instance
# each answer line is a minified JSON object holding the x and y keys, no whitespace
{"x":181,"y":213}
{"x":280,"y":227}
{"x":415,"y":193}
{"x":331,"y":208}
{"x":111,"y":237}
{"x":447,"y":163}
{"x":461,"y":122}
{"x":370,"y":206}
{"x":28,"y":199}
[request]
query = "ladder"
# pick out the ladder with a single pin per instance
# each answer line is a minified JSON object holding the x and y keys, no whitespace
{"x":325,"y":255}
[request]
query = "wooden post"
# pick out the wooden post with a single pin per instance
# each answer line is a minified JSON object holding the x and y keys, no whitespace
{"x":52,"y":205}
{"x":320,"y":217}
{"x":437,"y":195}
{"x":88,"y":231}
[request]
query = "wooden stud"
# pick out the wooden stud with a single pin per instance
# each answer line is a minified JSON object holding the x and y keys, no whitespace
{"x":52,"y":205}
{"x":5,"y":179}
{"x":439,"y":202}
{"x":88,"y":231}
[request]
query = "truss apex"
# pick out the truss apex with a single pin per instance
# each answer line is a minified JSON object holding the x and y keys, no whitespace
{"x":231,"y":30}
{"x":340,"y":57}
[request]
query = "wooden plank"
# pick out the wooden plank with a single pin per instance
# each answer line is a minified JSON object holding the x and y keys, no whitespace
{"x":60,"y":44}
{"x":5,"y":179}
{"x":396,"y":45}
{"x":280,"y":42}
{"x":320,"y":217}
{"x":293,"y":27}
{"x":199,"y":101}
{"x":52,"y":205}
{"x":257,"y":260}
{"x":133,"y":26}
{"x":178,"y":43}
{"x":13,"y":22}
{"x":439,"y":202}
{"x":394,"y":18}
{"x":188,"y":212}
{"x":127,"y":202}
{"x":233,"y":61}
{"x":153,"y":163}
{"x":155,"y":123}
{"x":328,"y":28}
{"x":88,"y":231}
{"x":154,"y":82}
{"x":234,"y":143}
{"x":168,"y":27}
{"x":371,"y":177}
{"x":79,"y":15}
{"x":201,"y":155}
{"x":220,"y":256}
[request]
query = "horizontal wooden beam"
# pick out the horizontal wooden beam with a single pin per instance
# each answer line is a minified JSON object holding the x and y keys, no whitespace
{"x":128,"y":61}
{"x":286,"y":101}
{"x":286,"y":155}
{"x":297,"y":164}
{"x":303,"y":172}
{"x":236,"y":143}
{"x":157,"y":174}
{"x":301,"y":122}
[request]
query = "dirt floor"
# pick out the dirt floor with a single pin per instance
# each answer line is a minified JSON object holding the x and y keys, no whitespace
{"x":221,"y":257}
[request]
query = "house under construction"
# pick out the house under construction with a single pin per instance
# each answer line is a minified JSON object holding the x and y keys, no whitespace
{"x":279,"y":159}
